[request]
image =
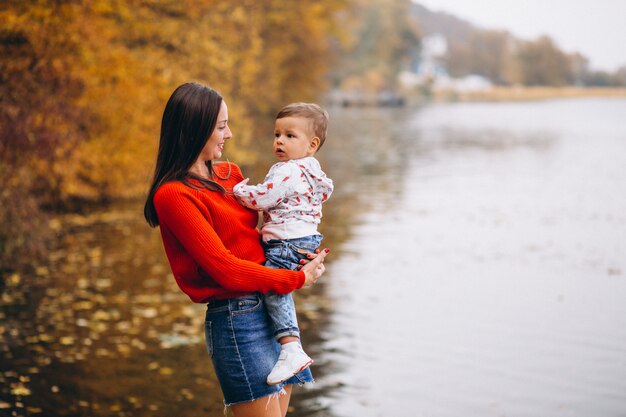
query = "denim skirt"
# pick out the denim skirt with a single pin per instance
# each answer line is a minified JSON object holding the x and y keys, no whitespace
{"x":243,"y":350}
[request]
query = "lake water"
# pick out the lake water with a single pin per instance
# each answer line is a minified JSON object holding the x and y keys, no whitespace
{"x":478,"y":268}
{"x":487,"y":276}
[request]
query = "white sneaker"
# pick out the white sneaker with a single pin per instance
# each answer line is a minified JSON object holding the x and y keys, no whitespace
{"x":290,"y":362}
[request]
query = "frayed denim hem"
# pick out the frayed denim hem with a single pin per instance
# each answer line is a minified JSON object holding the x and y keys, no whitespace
{"x":282,"y":391}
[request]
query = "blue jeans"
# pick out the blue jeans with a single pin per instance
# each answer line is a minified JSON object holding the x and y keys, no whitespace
{"x":286,"y":254}
{"x":243,"y":350}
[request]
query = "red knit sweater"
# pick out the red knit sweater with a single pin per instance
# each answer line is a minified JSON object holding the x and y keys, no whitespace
{"x":212,"y":242}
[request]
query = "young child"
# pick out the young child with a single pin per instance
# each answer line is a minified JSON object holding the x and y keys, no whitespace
{"x":291,"y":198}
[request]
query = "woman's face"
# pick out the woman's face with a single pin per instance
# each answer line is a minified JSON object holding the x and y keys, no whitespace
{"x":215,"y":145}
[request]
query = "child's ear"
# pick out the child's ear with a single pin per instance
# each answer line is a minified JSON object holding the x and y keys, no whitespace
{"x":315,"y":143}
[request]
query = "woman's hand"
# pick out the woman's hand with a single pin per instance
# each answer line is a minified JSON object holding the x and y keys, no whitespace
{"x":309,"y":257}
{"x":314,"y":269}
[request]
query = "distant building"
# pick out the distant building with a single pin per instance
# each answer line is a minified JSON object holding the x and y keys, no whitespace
{"x":429,"y":70}
{"x":429,"y":63}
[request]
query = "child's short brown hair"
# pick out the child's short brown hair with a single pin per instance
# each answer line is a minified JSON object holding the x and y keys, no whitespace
{"x":316,"y":114}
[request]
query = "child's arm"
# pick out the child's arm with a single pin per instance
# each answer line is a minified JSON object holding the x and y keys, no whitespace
{"x":268,"y":194}
{"x":325,"y":187}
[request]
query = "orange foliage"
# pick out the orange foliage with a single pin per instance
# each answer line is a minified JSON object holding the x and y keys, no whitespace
{"x":122,"y":59}
{"x":83,"y":83}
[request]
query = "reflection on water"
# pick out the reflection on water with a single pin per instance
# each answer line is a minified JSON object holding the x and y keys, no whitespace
{"x":493,"y":280}
{"x":478,"y":268}
{"x":103,"y":331}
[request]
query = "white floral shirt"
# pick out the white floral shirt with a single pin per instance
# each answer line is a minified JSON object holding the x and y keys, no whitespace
{"x":291,"y":198}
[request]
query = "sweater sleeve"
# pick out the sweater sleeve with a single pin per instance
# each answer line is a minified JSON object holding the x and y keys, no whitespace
{"x":181,"y":213}
{"x":274,"y":188}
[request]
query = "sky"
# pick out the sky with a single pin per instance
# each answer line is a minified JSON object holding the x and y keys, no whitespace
{"x":595,"y":28}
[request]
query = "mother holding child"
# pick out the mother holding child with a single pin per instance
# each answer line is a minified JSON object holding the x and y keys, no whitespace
{"x":216,"y":253}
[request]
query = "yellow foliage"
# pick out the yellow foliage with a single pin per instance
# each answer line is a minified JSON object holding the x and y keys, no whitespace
{"x":116,"y":62}
{"x":83,"y":86}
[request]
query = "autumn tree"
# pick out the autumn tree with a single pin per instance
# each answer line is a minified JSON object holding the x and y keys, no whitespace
{"x":83,"y":86}
{"x":40,"y":119}
{"x":541,"y":62}
{"x":385,"y":37}
{"x":484,"y":52}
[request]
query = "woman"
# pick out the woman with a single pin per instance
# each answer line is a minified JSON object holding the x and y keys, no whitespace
{"x":214,"y":250}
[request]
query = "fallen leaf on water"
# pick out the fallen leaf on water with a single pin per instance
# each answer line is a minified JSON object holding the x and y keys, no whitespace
{"x":121,"y":348}
{"x":14,"y":280}
{"x":123,"y":326}
{"x":20,"y":389}
{"x":152,"y":282}
{"x":102,"y":352}
{"x":187,"y":394}
{"x":98,"y":326}
{"x":148,"y":313}
{"x":83,"y":305}
{"x":147,"y":298}
{"x":41,"y":271}
{"x":138,"y":344}
{"x":45,"y":337}
{"x":103,"y":283}
{"x":55,"y":224}
{"x":101,"y":315}
{"x":52,"y":292}
{"x":67,"y":340}
{"x":174,"y":340}
{"x":192,"y":311}
{"x":166,"y":371}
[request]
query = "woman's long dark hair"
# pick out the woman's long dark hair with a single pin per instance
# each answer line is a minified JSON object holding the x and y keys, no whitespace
{"x":189,"y":118}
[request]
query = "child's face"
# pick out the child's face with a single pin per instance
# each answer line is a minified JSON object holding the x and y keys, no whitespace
{"x":294,"y":138}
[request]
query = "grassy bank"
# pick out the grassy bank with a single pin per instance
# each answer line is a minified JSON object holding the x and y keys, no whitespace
{"x":528,"y":93}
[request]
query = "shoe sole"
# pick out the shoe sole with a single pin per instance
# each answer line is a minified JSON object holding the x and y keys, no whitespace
{"x":302,"y":368}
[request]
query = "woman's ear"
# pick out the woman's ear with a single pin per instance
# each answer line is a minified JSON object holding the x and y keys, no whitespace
{"x":315,"y":143}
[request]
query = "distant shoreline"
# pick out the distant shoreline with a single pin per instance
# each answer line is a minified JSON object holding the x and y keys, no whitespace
{"x":528,"y":93}
{"x":494,"y":94}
